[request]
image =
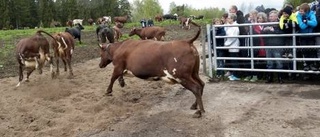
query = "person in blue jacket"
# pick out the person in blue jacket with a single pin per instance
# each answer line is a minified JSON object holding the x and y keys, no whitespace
{"x":307,"y":22}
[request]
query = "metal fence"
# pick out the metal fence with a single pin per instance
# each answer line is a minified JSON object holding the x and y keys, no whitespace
{"x":212,"y":58}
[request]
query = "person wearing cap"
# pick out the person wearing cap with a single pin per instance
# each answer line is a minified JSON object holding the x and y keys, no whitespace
{"x":288,"y":21}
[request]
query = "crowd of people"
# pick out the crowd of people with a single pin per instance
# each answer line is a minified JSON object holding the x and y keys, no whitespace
{"x":302,"y":19}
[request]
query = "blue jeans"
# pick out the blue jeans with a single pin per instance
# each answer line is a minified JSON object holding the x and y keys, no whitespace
{"x":234,"y":63}
{"x":220,"y":62}
{"x":274,"y":53}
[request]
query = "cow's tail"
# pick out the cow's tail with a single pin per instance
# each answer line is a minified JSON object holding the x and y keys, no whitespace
{"x":197,"y":35}
{"x":41,"y":31}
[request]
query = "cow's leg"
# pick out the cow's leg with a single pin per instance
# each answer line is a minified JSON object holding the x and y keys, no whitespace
{"x":57,"y":63}
{"x":70,"y":67}
{"x":121,"y":81}
{"x":28,"y":74}
{"x":20,"y":74}
{"x":196,"y":88}
{"x":79,"y":38}
{"x":117,"y":72}
{"x":65,"y":64}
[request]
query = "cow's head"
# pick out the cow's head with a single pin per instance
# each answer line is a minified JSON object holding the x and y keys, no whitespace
{"x":105,"y":55}
{"x":79,"y":26}
{"x":132,"y":32}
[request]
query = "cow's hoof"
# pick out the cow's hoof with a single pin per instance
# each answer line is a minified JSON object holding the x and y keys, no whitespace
{"x":193,"y":107}
{"x":108,"y":94}
{"x":197,"y":114}
{"x":122,"y":84}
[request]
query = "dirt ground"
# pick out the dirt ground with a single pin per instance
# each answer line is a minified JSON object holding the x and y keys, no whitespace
{"x":77,"y":107}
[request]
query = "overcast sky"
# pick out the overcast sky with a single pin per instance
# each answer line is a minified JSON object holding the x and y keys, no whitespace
{"x":199,"y":4}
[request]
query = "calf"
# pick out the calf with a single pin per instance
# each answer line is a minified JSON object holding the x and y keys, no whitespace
{"x":32,"y":53}
{"x":63,"y":51}
{"x":75,"y":31}
{"x":152,"y":32}
{"x":174,"y":61}
{"x":185,"y":22}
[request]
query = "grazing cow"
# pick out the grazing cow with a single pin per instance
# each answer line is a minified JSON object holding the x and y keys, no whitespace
{"x":69,"y":23}
{"x":174,"y":61}
{"x":90,"y":21}
{"x":32,"y":53}
{"x":77,"y":21}
{"x":63,"y":50}
{"x":158,"y":18}
{"x":75,"y":31}
{"x":121,"y":19}
{"x":169,"y":17}
{"x":107,"y":19}
{"x":200,"y":17}
{"x":153,"y":32}
{"x":101,"y":21}
{"x":185,"y":22}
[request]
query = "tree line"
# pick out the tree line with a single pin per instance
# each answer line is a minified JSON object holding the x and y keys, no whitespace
{"x":43,"y":13}
{"x":47,"y":13}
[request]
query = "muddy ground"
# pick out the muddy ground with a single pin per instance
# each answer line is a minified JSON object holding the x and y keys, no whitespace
{"x":77,"y":107}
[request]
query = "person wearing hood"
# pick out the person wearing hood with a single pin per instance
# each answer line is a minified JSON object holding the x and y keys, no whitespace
{"x":307,"y":22}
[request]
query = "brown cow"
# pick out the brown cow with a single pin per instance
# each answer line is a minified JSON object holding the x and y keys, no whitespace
{"x":32,"y":53}
{"x":69,"y":23}
{"x":185,"y":22}
{"x":117,"y":33}
{"x":174,"y":61}
{"x":90,"y":21}
{"x":121,"y":19}
{"x":153,"y":32}
{"x":63,"y":50}
{"x":158,"y":18}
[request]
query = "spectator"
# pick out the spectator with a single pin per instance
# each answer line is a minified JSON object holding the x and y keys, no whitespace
{"x":232,"y":42}
{"x":220,"y":43}
{"x":224,"y":18}
{"x":287,"y":20}
{"x":260,"y":17}
{"x":317,"y":29}
{"x":243,"y":31}
{"x":273,"y":41}
{"x":307,"y":22}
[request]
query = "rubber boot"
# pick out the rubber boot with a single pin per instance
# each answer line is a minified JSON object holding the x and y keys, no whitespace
{"x":269,"y":77}
{"x":280,"y":78}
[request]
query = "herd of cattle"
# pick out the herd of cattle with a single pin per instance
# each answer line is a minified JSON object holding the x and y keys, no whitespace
{"x":175,"y":61}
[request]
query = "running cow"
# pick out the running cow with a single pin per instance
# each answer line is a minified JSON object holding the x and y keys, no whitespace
{"x":63,"y":47}
{"x":175,"y":62}
{"x":32,"y":53}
